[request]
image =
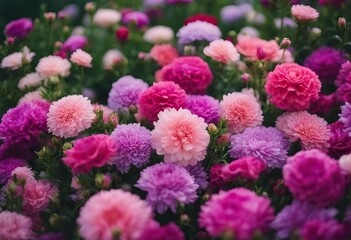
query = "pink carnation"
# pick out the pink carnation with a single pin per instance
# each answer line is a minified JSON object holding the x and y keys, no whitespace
{"x":22,"y":173}
{"x":191,"y":73}
{"x":158,"y":97}
{"x":304,"y":13}
{"x":181,"y":136}
{"x":37,"y":195}
{"x":31,"y":97}
{"x":164,"y":54}
{"x":14,"y":226}
{"x":53,"y":66}
{"x":255,"y":48}
{"x":82,"y":58}
{"x":16,"y":60}
{"x":30,"y":80}
{"x":114,"y":212}
{"x":309,"y":129}
{"x":70,"y":115}
{"x":222,"y":51}
{"x":89,"y":152}
{"x":292,"y":87}
{"x":248,"y":168}
{"x":241,"y":111}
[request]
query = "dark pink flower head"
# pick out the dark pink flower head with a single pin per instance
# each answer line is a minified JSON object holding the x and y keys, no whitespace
{"x":314,"y":177}
{"x":19,"y":28}
{"x":323,"y":230}
{"x":74,"y":42}
{"x":339,"y":141}
{"x":89,"y":152}
{"x":292,"y":87}
{"x":164,"y":54}
{"x":336,"y":3}
{"x":248,"y":168}
{"x":15,"y":226}
{"x":158,"y":97}
{"x":344,"y":73}
{"x":191,"y":73}
{"x":161,"y":233}
{"x":239,"y":211}
{"x":217,"y":180}
{"x":323,"y":105}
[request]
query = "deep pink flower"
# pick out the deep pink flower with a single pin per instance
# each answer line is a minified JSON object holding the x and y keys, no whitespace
{"x":74,"y":43}
{"x":19,"y":28}
{"x":217,"y":180}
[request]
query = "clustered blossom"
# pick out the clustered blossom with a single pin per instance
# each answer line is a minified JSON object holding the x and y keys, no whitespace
{"x":160,"y":233}
{"x":30,"y":80}
{"x":304,"y":13}
{"x":16,"y":60}
{"x":198,"y":31}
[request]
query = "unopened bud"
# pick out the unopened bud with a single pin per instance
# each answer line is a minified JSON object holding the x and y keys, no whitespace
{"x":122,"y":34}
{"x":224,"y":139}
{"x":212,"y":128}
{"x":89,"y":7}
{"x":342,"y":23}
{"x":10,"y":40}
{"x":67,"y":146}
{"x":285,"y":43}
{"x":245,"y":77}
{"x":58,"y":44}
{"x":260,"y":53}
{"x":50,"y":16}
{"x":189,"y":50}
{"x":133,"y":109}
{"x":232,"y":34}
{"x":54,"y":220}
{"x":184,"y":218}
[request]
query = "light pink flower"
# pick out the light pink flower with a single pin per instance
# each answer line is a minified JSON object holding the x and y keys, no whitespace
{"x":345,"y":163}
{"x":70,"y":115}
{"x":106,"y":17}
{"x":111,"y":57}
{"x":310,"y":130}
{"x":164,"y":54}
{"x":304,"y":13}
{"x":23,"y":173}
{"x":37,"y":195}
{"x":16,"y":60}
{"x":31,"y":97}
{"x":82,"y":58}
{"x":181,"y":136}
{"x":241,"y":111}
{"x":159,"y":34}
{"x":222,"y":51}
{"x":30,"y":80}
{"x":53,"y":66}
{"x":114,"y":211}
{"x":14,"y":226}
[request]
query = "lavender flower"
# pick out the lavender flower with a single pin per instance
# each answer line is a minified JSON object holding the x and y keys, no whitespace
{"x":7,"y":166}
{"x":167,"y":185}
{"x":345,"y":117}
{"x":203,"y":106}
{"x":266,"y":144}
{"x":178,"y":1}
{"x":133,"y":146}
{"x":232,"y":13}
{"x":19,"y":28}
{"x":198,"y":31}
{"x":287,"y":22}
{"x":71,"y":11}
{"x":199,"y":174}
{"x":125,"y":92}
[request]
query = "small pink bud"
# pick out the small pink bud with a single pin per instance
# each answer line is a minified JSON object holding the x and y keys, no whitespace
{"x":10,"y":40}
{"x":122,"y":34}
{"x":342,"y":22}
{"x":260,"y":53}
{"x":245,"y":77}
{"x":224,"y":139}
{"x":89,"y":7}
{"x":212,"y":128}
{"x":50,"y":16}
{"x":285,"y":43}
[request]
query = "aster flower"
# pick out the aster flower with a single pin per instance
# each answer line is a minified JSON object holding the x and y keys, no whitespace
{"x":191,"y":73}
{"x":14,"y":226}
{"x":82,"y":58}
{"x":310,"y":130}
{"x":314,"y":177}
{"x":198,"y":31}
{"x":304,"y":13}
{"x":339,"y":141}
{"x":161,"y":233}
{"x":30,"y":80}
{"x":292,"y":87}
{"x":125,"y":92}
{"x":19,"y":28}
{"x":74,"y":43}
{"x":16,"y":60}
{"x":113,"y":212}
{"x":222,"y":51}
{"x":138,"y":18}
{"x":199,"y":174}
{"x":107,"y":113}
{"x":241,"y":111}
{"x":106,"y":17}
{"x":203,"y":106}
{"x":22,"y":173}
{"x":163,"y":54}
{"x":232,"y":13}
{"x":159,"y":97}
{"x":111,"y":57}
{"x":133,"y":146}
{"x":181,"y":136}
{"x":31,"y":97}
{"x":293,"y":217}
{"x":344,"y":72}
{"x":70,"y":115}
{"x":264,"y":143}
{"x":239,"y":211}
{"x":158,"y":34}
{"x":343,"y":93}
{"x":178,"y":1}
{"x":324,"y":104}
{"x":87,"y":153}
{"x":53,"y":66}
{"x":167,"y":185}
{"x":326,"y":63}
{"x":345,"y":117}
{"x":7,"y":166}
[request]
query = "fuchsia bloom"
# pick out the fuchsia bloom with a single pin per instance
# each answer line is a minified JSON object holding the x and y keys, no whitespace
{"x":53,"y":66}
{"x":19,"y":28}
{"x":222,"y":51}
{"x":345,"y":117}
{"x":114,"y":212}
{"x":203,"y":106}
{"x":70,"y":115}
{"x":82,"y":58}
{"x":217,"y":180}
{"x":248,"y":168}
{"x":161,"y":233}
{"x":191,"y":73}
{"x":89,"y":152}
{"x":314,"y":177}
{"x":239,"y":211}
{"x":310,"y":130}
{"x":304,"y":13}
{"x":74,"y":43}
{"x":241,"y":111}
{"x":181,"y":136}
{"x":164,"y":54}
{"x":158,"y":97}
{"x":14,"y":226}
{"x":339,"y":141}
{"x":139,"y":18}
{"x":323,"y":230}
{"x":343,"y":74}
{"x":292,"y":87}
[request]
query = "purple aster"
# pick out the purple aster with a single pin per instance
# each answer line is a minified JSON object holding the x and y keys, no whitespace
{"x":133,"y":146}
{"x":178,"y":1}
{"x":161,"y":233}
{"x":74,"y":42}
{"x":324,"y":230}
{"x":344,"y":72}
{"x":339,"y":141}
{"x":287,"y":22}
{"x":198,"y":31}
{"x":336,"y":3}
{"x":266,"y":144}
{"x":232,"y":13}
{"x":125,"y":92}
{"x":7,"y":166}
{"x":199,"y":174}
{"x":153,"y":3}
{"x":139,"y":18}
{"x":52,"y":236}
{"x":203,"y":106}
{"x":345,"y":117}
{"x":24,"y":123}
{"x":293,"y":217}
{"x":71,"y":11}
{"x":19,"y":28}
{"x":326,"y":63}
{"x":167,"y":185}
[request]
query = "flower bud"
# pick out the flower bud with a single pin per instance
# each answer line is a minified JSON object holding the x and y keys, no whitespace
{"x":189,"y":50}
{"x":54,"y":220}
{"x":245,"y":77}
{"x":133,"y":109}
{"x":285,"y":43}
{"x":260,"y":53}
{"x":50,"y":16}
{"x":184,"y":218}
{"x":90,"y":7}
{"x":212,"y":128}
{"x":67,"y":146}
{"x":10,"y":40}
{"x":122,"y":33}
{"x":224,"y":139}
{"x":342,"y":23}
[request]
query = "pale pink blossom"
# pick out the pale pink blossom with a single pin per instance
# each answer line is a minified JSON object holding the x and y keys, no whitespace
{"x":30,"y":80}
{"x":14,"y":226}
{"x":22,"y":173}
{"x":31,"y":97}
{"x":181,"y":136}
{"x":53,"y":66}
{"x":222,"y":51}
{"x":304,"y":13}
{"x":111,"y":57}
{"x":16,"y":60}
{"x":106,"y":17}
{"x":345,"y":163}
{"x":159,"y":34}
{"x":82,"y":58}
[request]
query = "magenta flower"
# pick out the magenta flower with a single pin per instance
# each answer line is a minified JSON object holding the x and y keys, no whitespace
{"x":74,"y":43}
{"x":19,"y":28}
